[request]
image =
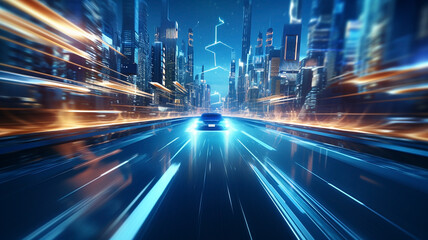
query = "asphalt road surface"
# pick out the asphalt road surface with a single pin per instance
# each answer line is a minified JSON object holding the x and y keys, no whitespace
{"x":173,"y":182}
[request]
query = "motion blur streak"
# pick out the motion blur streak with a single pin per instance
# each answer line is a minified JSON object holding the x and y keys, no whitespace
{"x":137,"y":180}
{"x":50,"y":55}
{"x":134,"y":222}
{"x":54,"y":20}
{"x":385,"y":128}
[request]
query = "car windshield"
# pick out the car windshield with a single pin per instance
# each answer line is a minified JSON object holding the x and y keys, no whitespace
{"x":211,"y":116}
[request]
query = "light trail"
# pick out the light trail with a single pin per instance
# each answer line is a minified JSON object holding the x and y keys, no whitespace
{"x":161,"y":87}
{"x":106,"y":87}
{"x":132,"y":225}
{"x":48,"y":16}
{"x":418,"y":132}
{"x":25,"y":29}
{"x":68,"y":122}
{"x":53,"y":56}
{"x":361,"y":203}
{"x":41,"y":82}
{"x":95,"y":179}
{"x":259,"y":142}
{"x":168,"y":144}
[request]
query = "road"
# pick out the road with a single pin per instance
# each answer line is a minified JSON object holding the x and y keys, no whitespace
{"x":173,"y":182}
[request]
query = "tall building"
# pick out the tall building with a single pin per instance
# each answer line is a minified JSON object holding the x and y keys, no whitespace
{"x":259,"y":66}
{"x":168,"y":36}
{"x":232,"y":87}
{"x":109,"y":28}
{"x":241,"y":84}
{"x":130,"y":38}
{"x":295,"y":11}
{"x":203,"y":73}
{"x":143,"y":71}
{"x":158,"y":63}
{"x":319,"y":31}
{"x":158,"y":71}
{"x":269,"y":41}
{"x":350,"y":50}
{"x":290,"y":51}
{"x":273,"y":77}
{"x":190,"y":57}
{"x":259,"y":46}
{"x":343,"y":13}
{"x":258,"y":58}
{"x":246,"y":39}
{"x":393,"y":33}
{"x":181,"y":65}
{"x":246,"y":32}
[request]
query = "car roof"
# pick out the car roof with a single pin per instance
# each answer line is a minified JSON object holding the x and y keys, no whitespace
{"x":211,"y":115}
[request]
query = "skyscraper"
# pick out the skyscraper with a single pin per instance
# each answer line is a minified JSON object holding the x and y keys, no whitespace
{"x":168,"y":36}
{"x":290,"y":51}
{"x":232,"y":87}
{"x":203,"y":73}
{"x":246,"y":31}
{"x":319,"y":31}
{"x":143,"y":71}
{"x":343,"y":13}
{"x":190,"y":56}
{"x":158,"y":63}
{"x":269,"y":41}
{"x":259,"y":47}
{"x":246,"y":38}
{"x":130,"y":38}
{"x":181,"y":64}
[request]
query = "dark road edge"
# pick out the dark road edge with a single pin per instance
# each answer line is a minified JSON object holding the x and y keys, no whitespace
{"x":405,"y":151}
{"x":29,"y":142}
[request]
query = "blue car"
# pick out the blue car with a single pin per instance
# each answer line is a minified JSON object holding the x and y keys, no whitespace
{"x":211,"y":121}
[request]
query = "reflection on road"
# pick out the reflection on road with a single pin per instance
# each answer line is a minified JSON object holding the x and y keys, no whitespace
{"x":173,"y":182}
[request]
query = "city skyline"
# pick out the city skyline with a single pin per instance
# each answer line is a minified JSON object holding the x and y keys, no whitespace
{"x":213,"y":119}
{"x":207,"y":14}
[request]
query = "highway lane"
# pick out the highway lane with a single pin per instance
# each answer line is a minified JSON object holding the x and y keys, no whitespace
{"x":172,"y":182}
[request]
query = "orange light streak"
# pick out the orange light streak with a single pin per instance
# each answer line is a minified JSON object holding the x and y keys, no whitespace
{"x":48,"y":16}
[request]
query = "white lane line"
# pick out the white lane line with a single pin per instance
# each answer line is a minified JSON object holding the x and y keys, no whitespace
{"x":246,"y":223}
{"x":290,"y":218}
{"x":131,"y":226}
{"x":361,"y":203}
{"x":168,"y":144}
{"x":57,"y":225}
{"x":230,"y":199}
{"x":179,"y":150}
{"x":260,"y":142}
{"x":100,"y":176}
{"x":118,"y":166}
{"x":119,"y":218}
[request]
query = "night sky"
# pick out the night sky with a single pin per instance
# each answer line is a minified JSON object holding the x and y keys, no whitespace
{"x":202,"y":16}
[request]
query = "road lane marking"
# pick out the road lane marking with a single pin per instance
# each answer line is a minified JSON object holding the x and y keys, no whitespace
{"x":246,"y":223}
{"x":119,"y":218}
{"x":100,"y":176}
{"x":130,"y":227}
{"x":361,"y":203}
{"x":259,"y":142}
{"x":287,"y":214}
{"x":290,"y":218}
{"x":168,"y":144}
{"x":179,"y":150}
{"x":58,"y":224}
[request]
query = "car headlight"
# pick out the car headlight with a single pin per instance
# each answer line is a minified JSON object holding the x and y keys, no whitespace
{"x":225,"y":123}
